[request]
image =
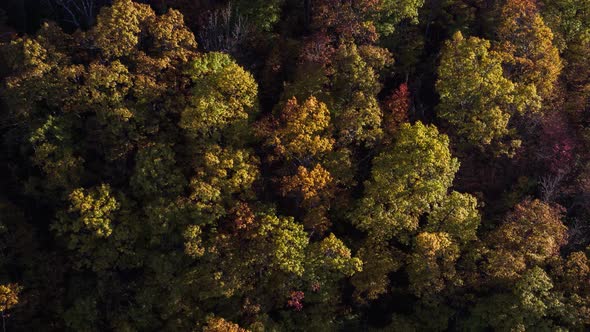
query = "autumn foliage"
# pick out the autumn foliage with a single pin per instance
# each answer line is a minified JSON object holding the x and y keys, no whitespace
{"x":294,"y":165}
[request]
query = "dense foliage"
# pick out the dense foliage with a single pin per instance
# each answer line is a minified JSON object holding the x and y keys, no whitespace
{"x":294,"y":165}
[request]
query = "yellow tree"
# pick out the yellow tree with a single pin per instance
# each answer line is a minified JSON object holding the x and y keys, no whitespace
{"x":87,"y":224}
{"x":410,"y":182}
{"x":218,"y":324}
{"x":530,"y":236}
{"x":431,"y":266}
{"x":8,"y":299}
{"x":118,"y":28}
{"x":313,"y":191}
{"x":355,"y":86}
{"x":532,"y":58}
{"x":300,"y":138}
{"x":223,"y":176}
{"x":299,"y":133}
{"x":327,"y":263}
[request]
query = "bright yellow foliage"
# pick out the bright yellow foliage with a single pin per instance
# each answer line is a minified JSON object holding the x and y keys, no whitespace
{"x":432,"y":264}
{"x":223,"y":94}
{"x":530,"y":235}
{"x":223,"y":175}
{"x":456,"y":215}
{"x":88,"y":223}
{"x":118,"y":28}
{"x":532,"y":57}
{"x":309,"y":184}
{"x":8,"y":296}
{"x":299,"y":132}
{"x":218,"y":324}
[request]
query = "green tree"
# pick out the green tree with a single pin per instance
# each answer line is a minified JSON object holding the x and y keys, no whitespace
{"x":88,"y":222}
{"x":356,"y":84}
{"x":531,"y":304}
{"x":569,"y":20}
{"x":378,"y":261}
{"x":457,"y":215}
{"x":262,"y":14}
{"x":477,"y":100}
{"x":328,"y":261}
{"x":156,"y":173}
{"x":222,"y":94}
{"x":432,"y":264}
{"x":406,"y":180}
{"x":54,"y":153}
{"x":391,"y":13}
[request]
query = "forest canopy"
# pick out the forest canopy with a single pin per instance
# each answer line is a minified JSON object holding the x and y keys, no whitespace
{"x":294,"y":165}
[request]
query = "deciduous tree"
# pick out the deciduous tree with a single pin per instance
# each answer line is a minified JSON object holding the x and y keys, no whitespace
{"x":406,"y":180}
{"x":477,"y":100}
{"x":533,"y":59}
{"x":531,"y":235}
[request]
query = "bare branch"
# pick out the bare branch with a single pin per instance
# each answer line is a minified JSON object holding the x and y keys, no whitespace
{"x":224,"y":31}
{"x":79,"y":12}
{"x":550,"y":185}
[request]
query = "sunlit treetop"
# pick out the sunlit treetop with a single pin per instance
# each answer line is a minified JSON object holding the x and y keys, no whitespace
{"x":280,"y":243}
{"x":355,"y":85}
{"x":311,"y":185}
{"x":363,"y":21}
{"x":531,"y":235}
{"x":531,"y":58}
{"x":223,"y":93}
{"x":477,"y":100}
{"x":329,"y":260}
{"x":9,"y":296}
{"x":218,"y":324}
{"x":86,"y":224}
{"x":300,"y":132}
{"x":432,"y":264}
{"x":122,"y":30}
{"x":222,"y":175}
{"x":406,"y":180}
{"x":457,"y":214}
{"x":390,"y":13}
{"x":118,"y":28}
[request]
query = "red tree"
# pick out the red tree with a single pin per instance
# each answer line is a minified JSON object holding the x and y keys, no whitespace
{"x":395,"y":110}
